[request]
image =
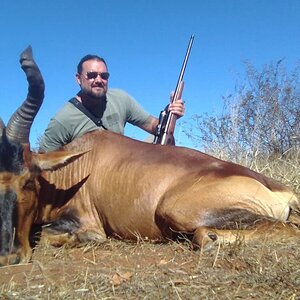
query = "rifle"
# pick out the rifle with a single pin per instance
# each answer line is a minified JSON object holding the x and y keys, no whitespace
{"x":167,"y":120}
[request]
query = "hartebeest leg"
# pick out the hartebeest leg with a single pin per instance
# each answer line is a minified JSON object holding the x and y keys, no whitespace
{"x":204,"y":237}
{"x":70,"y":240}
{"x":222,"y":208}
{"x":70,"y":230}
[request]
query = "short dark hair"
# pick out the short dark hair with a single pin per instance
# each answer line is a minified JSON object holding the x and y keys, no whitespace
{"x":89,"y":57}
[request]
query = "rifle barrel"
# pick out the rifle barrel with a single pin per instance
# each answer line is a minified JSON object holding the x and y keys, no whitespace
{"x":180,"y":78}
{"x":166,"y":125}
{"x":171,"y":118}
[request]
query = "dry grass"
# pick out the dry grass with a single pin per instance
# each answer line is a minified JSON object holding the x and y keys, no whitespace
{"x":144,"y":270}
{"x":285,"y":169}
{"x":119,"y":270}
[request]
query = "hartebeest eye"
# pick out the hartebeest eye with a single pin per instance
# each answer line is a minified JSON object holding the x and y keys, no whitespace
{"x":27,"y":181}
{"x":29,"y":185}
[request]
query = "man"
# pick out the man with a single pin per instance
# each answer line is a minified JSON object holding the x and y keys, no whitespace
{"x":97,"y":107}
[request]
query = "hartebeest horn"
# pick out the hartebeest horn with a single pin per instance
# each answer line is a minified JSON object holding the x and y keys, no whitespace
{"x":2,"y":126}
{"x":18,"y":127}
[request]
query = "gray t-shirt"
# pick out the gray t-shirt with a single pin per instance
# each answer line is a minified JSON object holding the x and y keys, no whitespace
{"x":70,"y":122}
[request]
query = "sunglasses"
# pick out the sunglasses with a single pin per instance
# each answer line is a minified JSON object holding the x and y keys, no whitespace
{"x":93,"y":75}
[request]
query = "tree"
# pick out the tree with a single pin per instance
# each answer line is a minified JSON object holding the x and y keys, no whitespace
{"x":261,"y":118}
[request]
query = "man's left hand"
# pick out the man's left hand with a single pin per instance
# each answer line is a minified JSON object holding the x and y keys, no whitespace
{"x":177,"y":108}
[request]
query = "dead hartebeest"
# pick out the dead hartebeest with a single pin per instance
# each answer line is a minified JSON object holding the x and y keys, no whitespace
{"x":104,"y":184}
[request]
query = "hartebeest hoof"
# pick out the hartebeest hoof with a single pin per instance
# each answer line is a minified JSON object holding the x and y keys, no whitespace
{"x":204,"y":238}
{"x":90,"y":236}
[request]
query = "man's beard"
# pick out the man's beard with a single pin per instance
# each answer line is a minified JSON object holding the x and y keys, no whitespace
{"x":95,"y":95}
{"x":92,"y":95}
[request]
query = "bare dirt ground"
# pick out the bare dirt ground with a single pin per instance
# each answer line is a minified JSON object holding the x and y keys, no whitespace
{"x":144,"y":270}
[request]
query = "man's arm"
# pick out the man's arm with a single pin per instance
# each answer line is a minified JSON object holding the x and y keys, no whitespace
{"x":54,"y":137}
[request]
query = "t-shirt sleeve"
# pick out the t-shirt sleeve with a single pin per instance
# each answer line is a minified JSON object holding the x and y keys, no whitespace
{"x":55,"y":136}
{"x":136,"y":115}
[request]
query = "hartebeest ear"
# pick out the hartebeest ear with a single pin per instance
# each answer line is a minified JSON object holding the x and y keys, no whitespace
{"x":54,"y":160}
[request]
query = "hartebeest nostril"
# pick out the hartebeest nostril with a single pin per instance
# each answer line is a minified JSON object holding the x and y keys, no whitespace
{"x":12,"y":259}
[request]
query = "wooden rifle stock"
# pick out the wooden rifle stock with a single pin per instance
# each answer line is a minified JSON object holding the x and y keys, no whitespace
{"x":167,"y":120}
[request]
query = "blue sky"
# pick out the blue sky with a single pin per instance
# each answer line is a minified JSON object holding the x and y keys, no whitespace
{"x":144,"y":43}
